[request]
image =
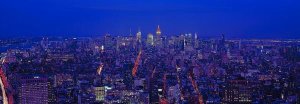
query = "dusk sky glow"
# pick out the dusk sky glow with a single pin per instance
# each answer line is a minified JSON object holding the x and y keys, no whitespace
{"x":235,"y":18}
{"x":150,"y":51}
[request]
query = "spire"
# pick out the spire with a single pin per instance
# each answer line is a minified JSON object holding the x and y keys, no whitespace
{"x":223,"y":37}
{"x":130,"y":32}
{"x":158,"y":31}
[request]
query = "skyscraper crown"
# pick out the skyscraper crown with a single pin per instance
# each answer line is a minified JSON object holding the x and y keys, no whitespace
{"x":158,"y":31}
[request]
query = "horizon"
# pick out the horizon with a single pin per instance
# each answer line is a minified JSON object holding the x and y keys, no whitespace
{"x":133,"y":33}
{"x":150,"y":51}
{"x":241,"y":19}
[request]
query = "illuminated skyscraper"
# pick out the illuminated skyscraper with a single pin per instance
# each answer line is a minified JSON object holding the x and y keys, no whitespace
{"x":158,"y":40}
{"x":158,"y":32}
{"x":150,"y":40}
{"x":237,"y":91}
{"x":34,"y":90}
{"x":100,"y":93}
{"x":139,"y":36}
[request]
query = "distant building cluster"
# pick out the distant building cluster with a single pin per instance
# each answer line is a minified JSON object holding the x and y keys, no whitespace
{"x":151,"y":69}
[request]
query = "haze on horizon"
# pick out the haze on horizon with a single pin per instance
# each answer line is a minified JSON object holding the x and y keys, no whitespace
{"x":235,"y":18}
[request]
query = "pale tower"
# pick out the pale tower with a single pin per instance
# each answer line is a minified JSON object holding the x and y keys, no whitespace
{"x":139,"y":36}
{"x":150,"y":39}
{"x":196,"y":41}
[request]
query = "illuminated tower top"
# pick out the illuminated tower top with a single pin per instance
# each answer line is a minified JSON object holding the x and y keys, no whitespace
{"x":158,"y":31}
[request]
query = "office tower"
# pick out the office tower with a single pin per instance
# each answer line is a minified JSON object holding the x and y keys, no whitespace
{"x":45,"y":43}
{"x":237,"y":91}
{"x":164,"y":41}
{"x":196,"y":41}
{"x":128,"y":78}
{"x":51,"y":92}
{"x":188,"y":39}
{"x":34,"y":90}
{"x":153,"y":92}
{"x":158,"y":40}
{"x":180,"y":43}
{"x":138,"y":42}
{"x":100,"y":92}
{"x":139,"y":36}
{"x":150,"y":40}
{"x":221,"y":45}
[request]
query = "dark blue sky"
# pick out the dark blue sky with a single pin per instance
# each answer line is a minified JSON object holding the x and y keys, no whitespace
{"x":235,"y":18}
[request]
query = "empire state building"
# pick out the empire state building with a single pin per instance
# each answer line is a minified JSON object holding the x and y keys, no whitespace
{"x":158,"y":33}
{"x":158,"y":39}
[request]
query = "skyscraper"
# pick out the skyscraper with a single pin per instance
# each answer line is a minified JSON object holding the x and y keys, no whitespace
{"x":196,"y":41}
{"x":139,"y":36}
{"x":158,"y":32}
{"x":34,"y":90}
{"x":237,"y":91}
{"x":150,"y":40}
{"x":158,"y":40}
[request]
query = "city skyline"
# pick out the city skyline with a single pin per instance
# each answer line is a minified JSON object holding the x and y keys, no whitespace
{"x":134,"y":32}
{"x":160,"y":69}
{"x":149,"y":52}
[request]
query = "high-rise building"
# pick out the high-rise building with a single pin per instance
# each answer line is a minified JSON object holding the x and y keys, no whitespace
{"x":196,"y":41}
{"x":139,"y":36}
{"x":158,"y":32}
{"x":188,"y":39}
{"x":100,"y":92}
{"x":34,"y":90}
{"x":150,"y":40}
{"x":237,"y":91}
{"x":138,"y":41}
{"x":158,"y":40}
{"x":153,"y":91}
{"x":174,"y":94}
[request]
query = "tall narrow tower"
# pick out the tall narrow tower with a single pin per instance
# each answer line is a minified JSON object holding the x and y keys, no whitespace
{"x":158,"y":41}
{"x":158,"y":32}
{"x":196,"y":41}
{"x":139,"y":36}
{"x":138,"y":42}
